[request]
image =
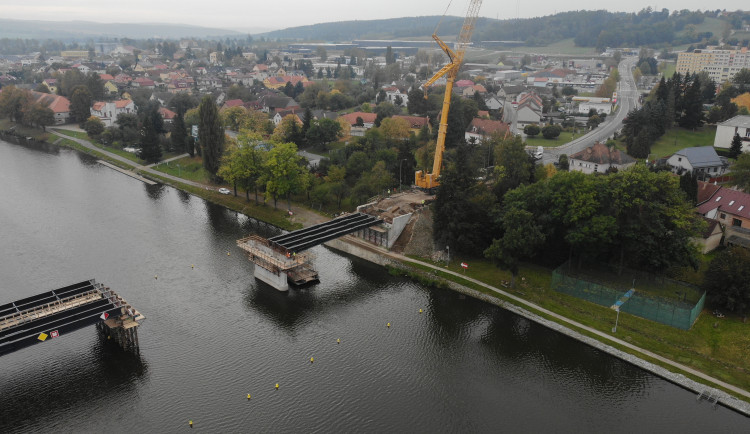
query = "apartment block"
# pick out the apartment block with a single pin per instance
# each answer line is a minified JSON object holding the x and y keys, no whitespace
{"x":721,"y":65}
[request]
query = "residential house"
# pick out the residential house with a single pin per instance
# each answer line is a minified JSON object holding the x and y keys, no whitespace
{"x":726,"y":130}
{"x":273,"y":103}
{"x":394,"y":95}
{"x":731,"y":208}
{"x":278,"y":82}
{"x":168,"y":115}
{"x":710,"y":239}
{"x":143,"y":82}
{"x":702,"y":160}
{"x":493,"y":103}
{"x":415,"y":122}
{"x":281,"y":114}
{"x":479,"y":129}
{"x":59,"y":105}
{"x":107,"y":112}
{"x":368,"y":121}
{"x":599,"y":159}
{"x":110,"y":87}
{"x":233,"y":103}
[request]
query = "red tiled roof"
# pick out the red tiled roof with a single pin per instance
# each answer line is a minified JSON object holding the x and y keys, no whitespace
{"x":122,"y":103}
{"x":728,"y":200}
{"x":233,"y":103}
{"x":166,"y":113}
{"x":600,"y":154}
{"x":106,"y":77}
{"x":706,"y":190}
{"x":487,"y":126}
{"x":464,"y":83}
{"x":414,"y":121}
{"x":368,"y":118}
{"x":57,"y":103}
{"x":99,"y":105}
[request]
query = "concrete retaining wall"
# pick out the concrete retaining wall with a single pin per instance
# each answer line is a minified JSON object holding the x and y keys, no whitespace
{"x":278,"y":281}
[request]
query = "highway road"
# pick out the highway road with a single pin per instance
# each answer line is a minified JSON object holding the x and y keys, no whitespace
{"x":627,"y":96}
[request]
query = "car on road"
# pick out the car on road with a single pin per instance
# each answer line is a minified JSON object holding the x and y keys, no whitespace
{"x":223,"y":190}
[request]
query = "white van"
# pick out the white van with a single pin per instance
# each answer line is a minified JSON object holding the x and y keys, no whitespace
{"x":539,"y":152}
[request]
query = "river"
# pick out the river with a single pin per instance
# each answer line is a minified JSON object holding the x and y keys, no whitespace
{"x":214,"y":334}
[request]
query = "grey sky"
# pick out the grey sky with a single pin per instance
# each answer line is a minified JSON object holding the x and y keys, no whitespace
{"x":280,"y":14}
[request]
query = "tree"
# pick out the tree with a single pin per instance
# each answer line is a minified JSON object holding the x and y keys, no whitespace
{"x":531,"y":130}
{"x":12,"y":102}
{"x":551,"y":131}
{"x":179,"y":136}
{"x":521,"y":239}
{"x":726,"y":280}
{"x":563,"y":163}
{"x":323,"y":131}
{"x":39,"y":115}
{"x":93,"y":126}
{"x":211,"y":135}
{"x":336,"y":178}
{"x":395,"y":129}
{"x":284,"y":172}
{"x":390,"y":58}
{"x":150,"y":150}
{"x":513,"y":166}
{"x":741,"y":171}
{"x":735,"y":149}
{"x":288,"y":130}
{"x":80,"y":104}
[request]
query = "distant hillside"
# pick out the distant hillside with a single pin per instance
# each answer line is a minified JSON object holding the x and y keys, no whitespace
{"x":82,"y":30}
{"x":598,"y":29}
{"x":395,"y":28}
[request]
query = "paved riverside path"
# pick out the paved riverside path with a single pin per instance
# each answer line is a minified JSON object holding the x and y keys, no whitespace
{"x":136,"y":166}
{"x":556,"y":316}
{"x":403,"y":258}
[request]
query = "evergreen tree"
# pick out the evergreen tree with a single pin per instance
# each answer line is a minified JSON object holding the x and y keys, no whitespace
{"x":389,"y":56}
{"x":692,"y":116}
{"x":179,"y":134}
{"x":150,"y":150}
{"x":210,"y":135}
{"x":80,"y":103}
{"x":735,"y":149}
{"x":306,"y":122}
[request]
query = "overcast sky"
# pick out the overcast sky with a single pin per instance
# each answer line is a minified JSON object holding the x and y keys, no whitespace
{"x":242,"y":14}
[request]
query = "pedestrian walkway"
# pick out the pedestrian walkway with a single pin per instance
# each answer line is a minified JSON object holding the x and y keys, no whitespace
{"x":168,"y":160}
{"x":136,"y":166}
{"x":535,"y":307}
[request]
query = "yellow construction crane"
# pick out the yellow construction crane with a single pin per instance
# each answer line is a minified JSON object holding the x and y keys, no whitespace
{"x":430,"y":180}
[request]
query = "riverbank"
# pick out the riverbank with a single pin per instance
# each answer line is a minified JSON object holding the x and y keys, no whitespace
{"x":725,"y":395}
{"x":644,"y":337}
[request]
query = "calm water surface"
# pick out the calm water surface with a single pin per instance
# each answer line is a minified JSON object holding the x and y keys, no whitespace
{"x":213,"y":334}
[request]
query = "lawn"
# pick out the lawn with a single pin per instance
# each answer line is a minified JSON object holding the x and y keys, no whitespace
{"x":190,"y":168}
{"x":679,"y":138}
{"x":667,"y":69}
{"x":115,"y":150}
{"x":562,"y":139}
{"x":564,"y":46}
{"x":717,"y":347}
{"x":36,"y":133}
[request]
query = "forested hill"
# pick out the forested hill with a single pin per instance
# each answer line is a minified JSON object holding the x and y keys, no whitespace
{"x":587,"y":28}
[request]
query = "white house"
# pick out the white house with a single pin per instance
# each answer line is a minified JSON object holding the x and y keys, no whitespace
{"x":726,"y":130}
{"x":604,"y":107}
{"x":598,"y":159}
{"x":702,"y":160}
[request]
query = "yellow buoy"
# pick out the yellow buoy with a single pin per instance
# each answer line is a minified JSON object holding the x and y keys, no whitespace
{"x":277,"y":386}
{"x":192,"y":266}
{"x":338,"y":341}
{"x":248,"y":396}
{"x":156,"y":276}
{"x":191,"y":423}
{"x":420,"y":310}
{"x":388,"y":325}
{"x":227,"y":253}
{"x":311,"y":360}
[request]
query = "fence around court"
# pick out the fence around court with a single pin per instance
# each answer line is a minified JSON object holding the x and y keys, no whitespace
{"x":601,"y":285}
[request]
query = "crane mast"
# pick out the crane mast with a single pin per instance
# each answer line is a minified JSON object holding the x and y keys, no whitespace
{"x":450,"y":71}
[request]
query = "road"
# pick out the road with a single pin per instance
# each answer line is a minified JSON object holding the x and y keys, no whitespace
{"x":627,"y":96}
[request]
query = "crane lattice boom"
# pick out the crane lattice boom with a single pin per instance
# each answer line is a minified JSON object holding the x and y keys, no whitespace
{"x":430,"y":181}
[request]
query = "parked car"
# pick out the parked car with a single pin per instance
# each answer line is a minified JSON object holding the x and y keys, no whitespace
{"x":223,"y":190}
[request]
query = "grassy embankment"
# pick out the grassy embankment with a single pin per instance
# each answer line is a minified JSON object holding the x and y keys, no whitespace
{"x":115,"y":150}
{"x":679,"y":138}
{"x":720,"y":351}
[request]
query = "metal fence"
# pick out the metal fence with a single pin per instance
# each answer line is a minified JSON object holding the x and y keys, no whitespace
{"x":680,"y":311}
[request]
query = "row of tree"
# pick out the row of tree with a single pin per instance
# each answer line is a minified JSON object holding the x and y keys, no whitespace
{"x":21,"y":106}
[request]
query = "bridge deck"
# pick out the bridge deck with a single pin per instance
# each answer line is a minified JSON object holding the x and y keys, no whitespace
{"x":62,"y":310}
{"x":304,"y":239}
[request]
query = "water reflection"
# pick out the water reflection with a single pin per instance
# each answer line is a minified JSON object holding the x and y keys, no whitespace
{"x":184,"y":196}
{"x":452,"y":312}
{"x":155,"y":191}
{"x":45,"y":388}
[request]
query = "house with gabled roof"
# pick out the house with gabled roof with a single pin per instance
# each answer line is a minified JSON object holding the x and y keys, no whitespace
{"x":168,"y":115}
{"x":701,"y":160}
{"x":479,"y":129}
{"x":599,"y":159}
{"x":726,"y":130}
{"x":731,"y":208}
{"x":59,"y":105}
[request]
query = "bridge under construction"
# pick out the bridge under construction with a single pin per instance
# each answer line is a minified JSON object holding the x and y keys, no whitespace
{"x":282,"y":259}
{"x":34,"y":320}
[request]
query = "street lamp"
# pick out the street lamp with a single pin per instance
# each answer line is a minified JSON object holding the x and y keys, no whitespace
{"x":614,"y":329}
{"x":447,"y":261}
